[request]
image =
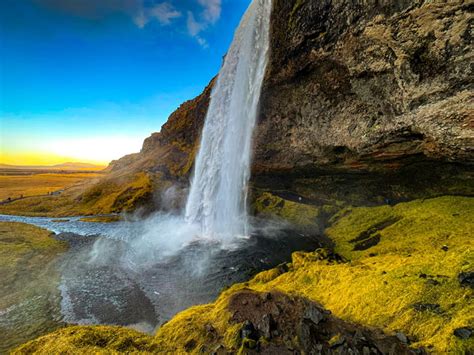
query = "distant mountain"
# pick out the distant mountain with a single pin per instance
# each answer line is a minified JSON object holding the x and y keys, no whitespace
{"x":63,"y":166}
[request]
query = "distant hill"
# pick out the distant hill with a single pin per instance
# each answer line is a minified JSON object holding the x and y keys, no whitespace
{"x":64,"y":166}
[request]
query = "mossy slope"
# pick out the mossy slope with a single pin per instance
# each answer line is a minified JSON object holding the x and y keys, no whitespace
{"x":405,"y":280}
{"x":29,"y":295}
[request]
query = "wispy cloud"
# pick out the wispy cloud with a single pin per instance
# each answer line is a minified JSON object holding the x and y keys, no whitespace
{"x":164,"y":13}
{"x":212,"y":10}
{"x":210,"y":14}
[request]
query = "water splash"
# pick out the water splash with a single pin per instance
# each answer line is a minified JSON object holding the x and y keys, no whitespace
{"x":217,"y":199}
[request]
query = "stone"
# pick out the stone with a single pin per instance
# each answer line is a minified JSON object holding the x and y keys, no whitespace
{"x":466,"y":279}
{"x":314,"y":314}
{"x":248,"y":331}
{"x":463,"y":333}
{"x":402,"y":337}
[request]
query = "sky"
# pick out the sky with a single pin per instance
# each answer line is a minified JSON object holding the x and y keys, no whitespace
{"x":88,"y":80}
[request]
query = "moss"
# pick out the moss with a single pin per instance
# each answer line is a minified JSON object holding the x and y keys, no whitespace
{"x":299,"y":214}
{"x":90,"y":340}
{"x":423,"y":246}
{"x":298,"y":4}
{"x":378,"y":287}
{"x":29,"y":295}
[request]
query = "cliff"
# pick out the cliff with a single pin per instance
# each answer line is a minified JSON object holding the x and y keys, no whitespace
{"x":371,"y":94}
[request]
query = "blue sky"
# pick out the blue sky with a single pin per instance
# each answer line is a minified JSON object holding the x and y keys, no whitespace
{"x":89,"y":80}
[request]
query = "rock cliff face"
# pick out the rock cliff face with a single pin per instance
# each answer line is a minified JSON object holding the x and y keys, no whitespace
{"x":371,"y":96}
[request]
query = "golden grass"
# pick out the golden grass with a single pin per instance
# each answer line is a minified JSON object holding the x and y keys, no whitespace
{"x":90,"y":340}
{"x":423,"y":246}
{"x":92,"y":197}
{"x":14,"y":186}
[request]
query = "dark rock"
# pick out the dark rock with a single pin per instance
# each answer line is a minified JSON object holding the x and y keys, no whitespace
{"x":463,"y":333}
{"x":368,"y":243}
{"x":431,"y":307}
{"x":466,"y":279}
{"x":423,"y":276}
{"x":248,"y":331}
{"x":445,"y":248}
{"x":190,"y":345}
{"x":302,"y":326}
{"x":433,"y":282}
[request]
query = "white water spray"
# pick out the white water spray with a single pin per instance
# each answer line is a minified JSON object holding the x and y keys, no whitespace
{"x":217,"y":199}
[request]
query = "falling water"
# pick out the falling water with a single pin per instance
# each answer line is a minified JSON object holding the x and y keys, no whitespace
{"x":217,"y":199}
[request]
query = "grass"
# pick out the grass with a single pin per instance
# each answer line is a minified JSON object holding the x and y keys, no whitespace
{"x":417,"y":251}
{"x":29,"y":285}
{"x":91,"y":340}
{"x":104,"y":196}
{"x":15,"y":186}
{"x":271,"y":206}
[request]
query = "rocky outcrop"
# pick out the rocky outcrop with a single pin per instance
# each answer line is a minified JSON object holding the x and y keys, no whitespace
{"x":367,"y":85}
{"x":171,"y":151}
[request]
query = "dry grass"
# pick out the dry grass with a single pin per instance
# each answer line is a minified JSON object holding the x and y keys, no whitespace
{"x":14,"y":186}
{"x":90,"y":197}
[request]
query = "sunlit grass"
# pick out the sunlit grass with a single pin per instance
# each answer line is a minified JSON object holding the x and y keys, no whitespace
{"x":15,"y":186}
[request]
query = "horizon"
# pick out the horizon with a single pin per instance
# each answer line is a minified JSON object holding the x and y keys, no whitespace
{"x":89,"y":82}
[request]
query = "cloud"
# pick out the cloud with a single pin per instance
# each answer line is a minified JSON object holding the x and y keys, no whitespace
{"x":210,"y":14}
{"x":194,"y":27}
{"x":212,"y":10}
{"x":164,"y":13}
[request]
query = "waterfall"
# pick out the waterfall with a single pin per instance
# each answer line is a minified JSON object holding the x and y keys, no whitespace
{"x":217,"y":198}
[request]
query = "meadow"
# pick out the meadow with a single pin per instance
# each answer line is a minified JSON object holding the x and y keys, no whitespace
{"x":27,"y":185}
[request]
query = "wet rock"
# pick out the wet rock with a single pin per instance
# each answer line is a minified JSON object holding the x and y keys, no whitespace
{"x":466,"y":279}
{"x":463,"y":333}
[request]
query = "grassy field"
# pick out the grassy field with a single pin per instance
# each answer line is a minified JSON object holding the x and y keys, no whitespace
{"x":15,"y":186}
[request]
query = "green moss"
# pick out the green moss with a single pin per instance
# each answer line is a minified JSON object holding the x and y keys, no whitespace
{"x":269,"y":205}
